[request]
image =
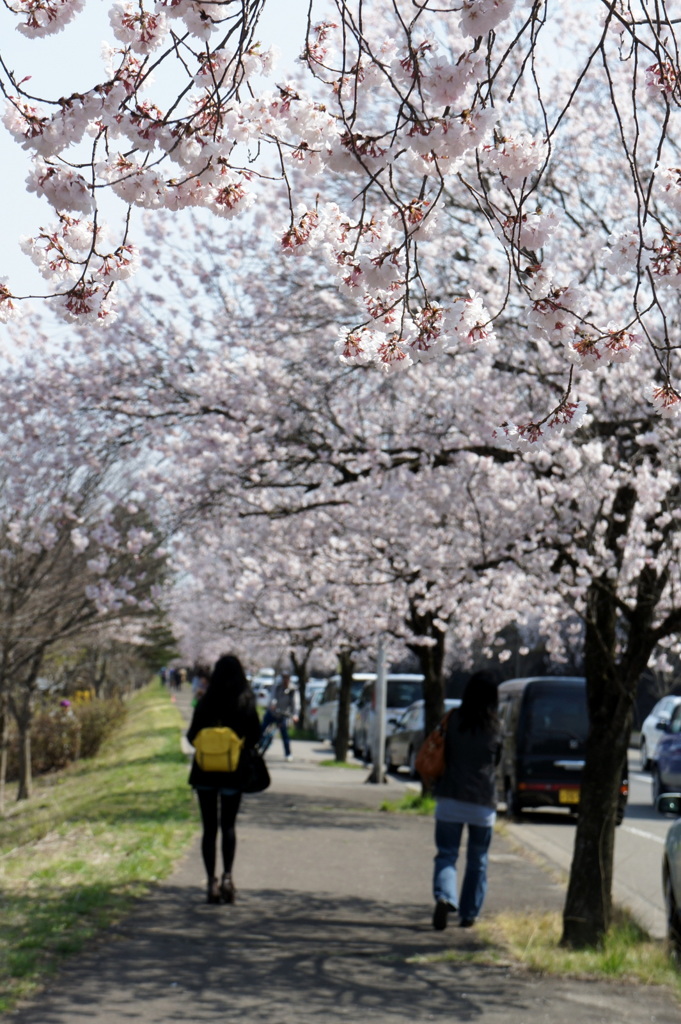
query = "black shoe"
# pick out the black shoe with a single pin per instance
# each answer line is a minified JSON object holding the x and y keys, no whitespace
{"x":213,"y":893}
{"x":442,"y":909}
{"x":466,"y":922}
{"x":227,"y":890}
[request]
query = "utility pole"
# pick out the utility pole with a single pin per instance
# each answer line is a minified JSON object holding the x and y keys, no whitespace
{"x":378,"y":739}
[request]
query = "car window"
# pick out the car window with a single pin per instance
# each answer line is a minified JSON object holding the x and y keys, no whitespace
{"x":366,"y":694}
{"x":675,"y":722}
{"x":402,"y":693}
{"x":663,"y":707}
{"x":412,"y":718}
{"x":555,"y":721}
{"x":356,"y":688}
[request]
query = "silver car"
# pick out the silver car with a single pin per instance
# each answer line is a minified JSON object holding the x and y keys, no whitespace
{"x":653,"y":728}
{"x":402,"y":746}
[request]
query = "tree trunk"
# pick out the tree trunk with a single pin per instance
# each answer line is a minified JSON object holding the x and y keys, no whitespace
{"x":342,"y":741}
{"x":22,"y":709}
{"x":431,"y":662}
{"x":4,"y":747}
{"x":610,"y":692}
{"x":25,"y":773}
{"x":588,"y":905}
{"x":300,"y":669}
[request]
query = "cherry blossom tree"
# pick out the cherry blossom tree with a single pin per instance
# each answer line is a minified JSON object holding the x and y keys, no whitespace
{"x":231,"y":381}
{"x":480,"y":105}
{"x":76,"y":545}
{"x":584,"y":533}
{"x":293,"y":583}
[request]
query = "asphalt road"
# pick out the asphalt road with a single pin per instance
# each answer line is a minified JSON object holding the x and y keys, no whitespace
{"x":639,"y":845}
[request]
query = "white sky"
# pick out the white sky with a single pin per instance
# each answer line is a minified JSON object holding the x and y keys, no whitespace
{"x":68,"y":62}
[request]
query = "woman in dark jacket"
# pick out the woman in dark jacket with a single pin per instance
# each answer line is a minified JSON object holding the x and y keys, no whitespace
{"x":228,"y":701}
{"x":466,"y":795}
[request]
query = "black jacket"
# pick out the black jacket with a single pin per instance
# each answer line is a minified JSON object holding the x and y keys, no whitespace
{"x":471,"y":759}
{"x":243,"y":720}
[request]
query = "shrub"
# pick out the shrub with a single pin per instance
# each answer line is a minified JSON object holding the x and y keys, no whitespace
{"x":55,"y":742}
{"x":61,"y":734}
{"x":98,"y":719}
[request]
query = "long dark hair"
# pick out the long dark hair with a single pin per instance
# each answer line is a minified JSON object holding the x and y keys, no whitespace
{"x":478,"y":711}
{"x":228,"y":687}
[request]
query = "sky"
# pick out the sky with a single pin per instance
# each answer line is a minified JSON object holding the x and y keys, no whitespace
{"x":60,"y":65}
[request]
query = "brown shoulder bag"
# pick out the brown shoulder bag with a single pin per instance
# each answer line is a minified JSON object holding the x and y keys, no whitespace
{"x":430,"y":760}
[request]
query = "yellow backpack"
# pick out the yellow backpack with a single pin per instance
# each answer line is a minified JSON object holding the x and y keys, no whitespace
{"x":218,"y":749}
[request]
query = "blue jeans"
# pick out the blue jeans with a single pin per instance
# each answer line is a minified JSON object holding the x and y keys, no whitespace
{"x":448,"y":840}
{"x":272,"y":716}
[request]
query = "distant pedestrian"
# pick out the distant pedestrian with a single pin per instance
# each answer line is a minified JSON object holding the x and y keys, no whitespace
{"x":200,"y":681}
{"x":466,"y":795}
{"x":228,"y":701}
{"x":282,"y":709}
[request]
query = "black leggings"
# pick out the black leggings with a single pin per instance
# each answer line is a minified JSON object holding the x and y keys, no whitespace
{"x":229,"y":808}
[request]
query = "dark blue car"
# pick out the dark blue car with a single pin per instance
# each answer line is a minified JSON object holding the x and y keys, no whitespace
{"x":666,"y":768}
{"x":667,"y":798}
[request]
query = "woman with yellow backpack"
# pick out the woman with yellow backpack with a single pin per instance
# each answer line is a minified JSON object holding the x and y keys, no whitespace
{"x":224,"y":724}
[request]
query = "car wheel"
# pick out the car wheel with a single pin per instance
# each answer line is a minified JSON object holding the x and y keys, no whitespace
{"x":645,"y":762}
{"x":513,"y":805}
{"x":658,"y":788}
{"x":673,"y":917}
{"x":619,"y":814}
{"x":389,"y":766}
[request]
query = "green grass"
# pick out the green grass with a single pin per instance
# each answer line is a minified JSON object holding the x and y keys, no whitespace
{"x":296,"y":733}
{"x":410,"y":803}
{"x":627,"y":953}
{"x":342,"y":764}
{"x":92,"y":838}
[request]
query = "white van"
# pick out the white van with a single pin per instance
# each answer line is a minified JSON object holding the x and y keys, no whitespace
{"x":402,"y":689}
{"x":326,"y":720}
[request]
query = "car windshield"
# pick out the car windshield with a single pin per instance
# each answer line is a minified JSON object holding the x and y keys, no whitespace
{"x":557,"y":722}
{"x":403,"y":692}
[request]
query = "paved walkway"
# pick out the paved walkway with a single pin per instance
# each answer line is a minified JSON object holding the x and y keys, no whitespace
{"x":332,"y":923}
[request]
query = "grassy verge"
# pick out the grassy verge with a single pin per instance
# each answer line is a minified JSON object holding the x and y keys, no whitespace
{"x":296,"y":733}
{"x":410,"y":803}
{"x":627,"y":954}
{"x":91,"y":839}
{"x":342,"y":764}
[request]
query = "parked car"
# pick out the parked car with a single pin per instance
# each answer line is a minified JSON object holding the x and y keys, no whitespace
{"x":670,"y":803}
{"x":327,"y":712}
{"x":666,"y":768}
{"x":402,"y":746}
{"x":544,"y":728}
{"x":314,"y":690}
{"x":653,"y":728}
{"x":261,"y":684}
{"x":402,"y":689}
